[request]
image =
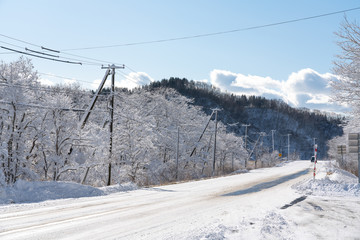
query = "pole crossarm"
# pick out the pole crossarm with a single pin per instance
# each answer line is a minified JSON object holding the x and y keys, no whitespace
{"x":113,"y":66}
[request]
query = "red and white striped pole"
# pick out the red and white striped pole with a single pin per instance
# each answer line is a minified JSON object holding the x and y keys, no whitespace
{"x":315,"y":160}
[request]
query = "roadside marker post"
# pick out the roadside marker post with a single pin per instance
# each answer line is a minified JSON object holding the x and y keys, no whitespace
{"x":315,"y":155}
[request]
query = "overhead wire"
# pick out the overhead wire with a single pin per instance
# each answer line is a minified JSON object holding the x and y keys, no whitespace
{"x":33,"y":55}
{"x":78,"y":61}
{"x":95,"y":61}
{"x":50,"y":107}
{"x":57,"y":76}
{"x":18,"y":40}
{"x":130,"y":78}
{"x":51,"y":55}
{"x":214,"y":33}
{"x":47,"y":89}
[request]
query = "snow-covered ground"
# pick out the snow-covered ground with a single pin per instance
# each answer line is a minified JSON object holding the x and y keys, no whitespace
{"x":275,"y":203}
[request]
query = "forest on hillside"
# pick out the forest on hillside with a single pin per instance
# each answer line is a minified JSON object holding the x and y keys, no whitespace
{"x":263,"y":115}
{"x":162,"y":132}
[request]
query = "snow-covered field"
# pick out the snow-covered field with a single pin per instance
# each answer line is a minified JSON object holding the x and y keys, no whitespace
{"x":275,"y":203}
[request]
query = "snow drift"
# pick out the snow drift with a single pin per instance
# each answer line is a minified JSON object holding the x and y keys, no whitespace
{"x":330,"y":181}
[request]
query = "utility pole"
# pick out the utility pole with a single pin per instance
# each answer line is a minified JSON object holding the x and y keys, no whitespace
{"x":254,"y":149}
{"x":245,"y":137}
{"x":262,"y":135}
{"x":177,"y":154}
{"x":273,"y":143}
{"x":288,"y":146}
{"x":112,"y":94}
{"x":214,"y":154}
{"x":245,"y":140}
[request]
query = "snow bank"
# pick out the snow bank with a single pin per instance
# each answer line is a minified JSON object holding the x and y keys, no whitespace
{"x":119,"y":188}
{"x":330,"y":181}
{"x":30,"y":192}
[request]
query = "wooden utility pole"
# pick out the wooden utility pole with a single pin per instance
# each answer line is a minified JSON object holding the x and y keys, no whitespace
{"x":112,"y":94}
{"x":288,"y":146}
{"x":177,"y":153}
{"x":273,"y":142}
{"x":245,"y":140}
{"x":245,"y":137}
{"x":214,"y":154}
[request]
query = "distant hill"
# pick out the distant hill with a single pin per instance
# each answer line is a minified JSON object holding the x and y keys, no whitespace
{"x":264,"y":115}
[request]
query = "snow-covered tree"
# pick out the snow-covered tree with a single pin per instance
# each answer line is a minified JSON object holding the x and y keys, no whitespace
{"x":61,"y":126}
{"x":18,"y":95}
{"x":346,"y":89}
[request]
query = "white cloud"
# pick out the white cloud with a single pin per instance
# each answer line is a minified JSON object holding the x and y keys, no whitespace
{"x":46,"y":82}
{"x":305,"y":88}
{"x":134,"y":79}
{"x":310,"y":83}
{"x":248,"y":85}
{"x":130,"y":81}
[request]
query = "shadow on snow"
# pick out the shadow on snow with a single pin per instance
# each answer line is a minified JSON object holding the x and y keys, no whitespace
{"x":266,"y":185}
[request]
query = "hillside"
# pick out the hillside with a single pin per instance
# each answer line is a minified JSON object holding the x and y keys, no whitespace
{"x":264,"y":115}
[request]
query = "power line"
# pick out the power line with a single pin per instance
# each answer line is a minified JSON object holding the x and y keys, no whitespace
{"x":20,"y":40}
{"x":49,"y":107}
{"x":130,"y":69}
{"x":49,"y":49}
{"x":68,"y":78}
{"x":97,"y":62}
{"x":215,"y":33}
{"x":94,"y":59}
{"x":37,"y":52}
{"x":45,"y":89}
{"x":33,"y":55}
{"x":52,"y":90}
{"x":127,"y":77}
{"x":82,"y":62}
{"x":13,"y":45}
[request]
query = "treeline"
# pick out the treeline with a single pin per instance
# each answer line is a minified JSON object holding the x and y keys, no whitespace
{"x":264,"y":115}
{"x":236,"y":104}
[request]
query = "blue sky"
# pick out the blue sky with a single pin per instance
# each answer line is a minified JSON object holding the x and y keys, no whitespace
{"x":292,"y":61}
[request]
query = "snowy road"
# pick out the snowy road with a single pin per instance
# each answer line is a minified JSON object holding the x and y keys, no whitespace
{"x":236,"y":207}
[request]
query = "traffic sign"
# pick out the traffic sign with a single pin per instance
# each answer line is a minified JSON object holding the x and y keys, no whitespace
{"x":354,"y":142}
{"x":341,"y":149}
{"x":353,"y":149}
{"x":353,"y":136}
